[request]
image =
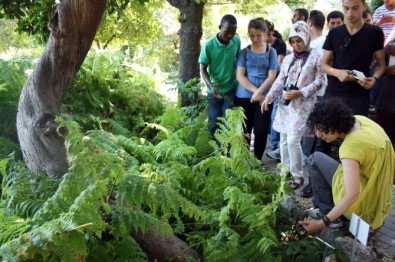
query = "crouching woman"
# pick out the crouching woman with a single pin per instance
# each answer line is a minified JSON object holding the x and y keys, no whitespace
{"x":362,"y":182}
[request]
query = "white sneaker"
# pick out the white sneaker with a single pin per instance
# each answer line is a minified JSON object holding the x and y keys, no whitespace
{"x":275,"y":154}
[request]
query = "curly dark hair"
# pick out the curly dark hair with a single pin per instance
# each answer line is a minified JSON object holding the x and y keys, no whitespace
{"x":331,"y":115}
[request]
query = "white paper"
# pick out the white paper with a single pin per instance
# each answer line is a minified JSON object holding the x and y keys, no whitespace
{"x":391,"y":61}
{"x":363,"y":230}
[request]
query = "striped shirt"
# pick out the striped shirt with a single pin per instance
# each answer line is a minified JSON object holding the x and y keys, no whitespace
{"x":379,"y":13}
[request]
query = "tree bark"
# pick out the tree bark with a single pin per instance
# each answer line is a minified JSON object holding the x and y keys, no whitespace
{"x":165,"y":248}
{"x":190,"y":33}
{"x":72,"y":28}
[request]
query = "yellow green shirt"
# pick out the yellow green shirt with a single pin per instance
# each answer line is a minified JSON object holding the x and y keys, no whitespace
{"x":371,"y":147}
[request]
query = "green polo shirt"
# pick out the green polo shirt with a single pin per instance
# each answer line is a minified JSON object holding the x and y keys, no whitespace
{"x":221,"y":60}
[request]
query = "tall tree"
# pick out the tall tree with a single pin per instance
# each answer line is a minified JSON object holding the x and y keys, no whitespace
{"x":72,"y":30}
{"x":190,"y":33}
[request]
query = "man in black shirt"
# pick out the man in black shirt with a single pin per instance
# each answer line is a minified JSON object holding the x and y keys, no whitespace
{"x":351,"y":47}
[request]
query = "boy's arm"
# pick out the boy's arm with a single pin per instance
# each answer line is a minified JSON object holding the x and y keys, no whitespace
{"x":326,"y":65}
{"x":206,"y":79}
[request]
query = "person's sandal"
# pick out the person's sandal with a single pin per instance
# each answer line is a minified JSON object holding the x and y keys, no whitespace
{"x":294,"y":184}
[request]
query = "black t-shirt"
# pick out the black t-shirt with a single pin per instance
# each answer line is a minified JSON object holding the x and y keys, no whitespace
{"x":352,"y":52}
{"x":280,"y":47}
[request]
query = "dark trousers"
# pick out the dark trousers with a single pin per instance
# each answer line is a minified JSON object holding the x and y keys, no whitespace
{"x":256,"y":120}
{"x":387,"y":121}
{"x":321,"y":170}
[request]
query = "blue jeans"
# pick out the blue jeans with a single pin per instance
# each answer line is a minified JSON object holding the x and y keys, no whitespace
{"x":274,"y":135}
{"x":217,"y":108}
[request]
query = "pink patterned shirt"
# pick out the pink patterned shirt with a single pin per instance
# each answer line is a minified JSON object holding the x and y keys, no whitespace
{"x":292,"y":119}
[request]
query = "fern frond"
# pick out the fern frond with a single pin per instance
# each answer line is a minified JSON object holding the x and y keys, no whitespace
{"x":161,"y":200}
{"x":202,"y":147}
{"x":174,"y":149}
{"x":116,"y":128}
{"x":11,"y":226}
{"x":7,"y":147}
{"x":91,"y":199}
{"x":172,"y":119}
{"x":125,"y":219}
{"x":25,"y":191}
{"x":143,"y":152}
{"x":128,"y":249}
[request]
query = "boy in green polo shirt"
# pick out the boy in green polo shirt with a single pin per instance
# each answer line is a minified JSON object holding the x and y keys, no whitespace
{"x":218,"y":69}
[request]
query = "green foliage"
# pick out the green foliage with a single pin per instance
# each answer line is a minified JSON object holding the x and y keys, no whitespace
{"x":376,"y":4}
{"x":222,"y":202}
{"x":108,"y":94}
{"x":130,"y":25}
{"x":13,"y":74}
{"x":33,"y":15}
{"x":11,"y":39}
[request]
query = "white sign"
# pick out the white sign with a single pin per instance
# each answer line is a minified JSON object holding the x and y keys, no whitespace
{"x":359,"y":228}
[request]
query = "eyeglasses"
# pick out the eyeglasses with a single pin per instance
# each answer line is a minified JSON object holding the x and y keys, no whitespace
{"x":345,"y":44}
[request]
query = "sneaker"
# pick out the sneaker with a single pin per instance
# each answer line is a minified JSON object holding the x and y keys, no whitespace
{"x":307,"y":191}
{"x":275,"y":154}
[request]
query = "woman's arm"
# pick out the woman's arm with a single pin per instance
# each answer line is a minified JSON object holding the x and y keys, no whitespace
{"x":243,"y":80}
{"x":351,"y":171}
{"x":265,"y":86}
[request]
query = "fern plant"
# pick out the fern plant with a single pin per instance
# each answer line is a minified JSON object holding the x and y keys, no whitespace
{"x":13,"y":74}
{"x":132,"y":171}
{"x":108,"y":94}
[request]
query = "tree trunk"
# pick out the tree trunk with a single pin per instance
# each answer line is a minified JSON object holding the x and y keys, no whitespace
{"x":191,"y":17}
{"x":165,"y":248}
{"x":72,"y":28}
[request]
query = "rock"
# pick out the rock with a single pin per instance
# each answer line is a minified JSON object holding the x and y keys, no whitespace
{"x":362,"y":253}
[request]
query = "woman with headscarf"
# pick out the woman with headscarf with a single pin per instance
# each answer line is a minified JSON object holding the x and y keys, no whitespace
{"x":296,"y":86}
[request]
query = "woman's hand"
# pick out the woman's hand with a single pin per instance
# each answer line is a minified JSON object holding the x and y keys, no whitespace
{"x":265,"y":105}
{"x":312,"y":226}
{"x":292,"y":94}
{"x":257,"y":96}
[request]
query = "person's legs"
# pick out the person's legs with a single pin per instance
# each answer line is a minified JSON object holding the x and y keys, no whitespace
{"x":387,"y":121}
{"x":274,"y":135}
{"x":249,"y":110}
{"x":214,"y":111}
{"x":307,"y":145}
{"x":375,"y":91}
{"x":284,"y":149}
{"x":261,"y":126}
{"x":321,"y":170}
{"x":295,"y":155}
{"x":228,"y":101}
